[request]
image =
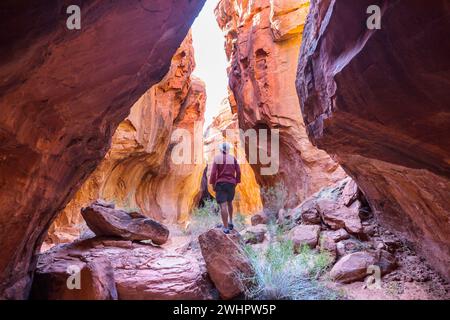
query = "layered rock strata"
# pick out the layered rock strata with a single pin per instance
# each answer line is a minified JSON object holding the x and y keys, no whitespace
{"x":62,"y":96}
{"x":262,"y":43}
{"x":139,"y":172}
{"x":377,"y":100}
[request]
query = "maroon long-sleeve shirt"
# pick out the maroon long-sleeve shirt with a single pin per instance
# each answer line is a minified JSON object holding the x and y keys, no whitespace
{"x":225,"y":168}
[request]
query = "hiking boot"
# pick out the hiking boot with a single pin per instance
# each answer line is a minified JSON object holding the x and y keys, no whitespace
{"x":226,"y":230}
{"x":230,"y":226}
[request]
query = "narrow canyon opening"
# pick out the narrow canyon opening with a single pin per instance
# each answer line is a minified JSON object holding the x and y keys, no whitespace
{"x":332,"y":195}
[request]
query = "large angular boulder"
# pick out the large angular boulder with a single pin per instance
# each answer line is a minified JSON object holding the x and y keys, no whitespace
{"x":260,"y":218}
{"x":307,"y":212}
{"x":117,"y":269}
{"x":58,"y":279}
{"x":107,"y":221}
{"x":304,"y":235}
{"x":254,"y":234}
{"x":160,"y":275}
{"x":337,"y":216}
{"x":352,"y":267}
{"x":350,"y":193}
{"x":337,"y":235}
{"x":227,"y":265}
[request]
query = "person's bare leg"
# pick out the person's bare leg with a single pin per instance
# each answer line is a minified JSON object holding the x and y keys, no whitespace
{"x":224,"y":214}
{"x":230,"y":211}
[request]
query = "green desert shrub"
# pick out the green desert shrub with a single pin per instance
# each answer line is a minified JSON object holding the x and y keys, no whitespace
{"x":207,"y":217}
{"x":279,"y":274}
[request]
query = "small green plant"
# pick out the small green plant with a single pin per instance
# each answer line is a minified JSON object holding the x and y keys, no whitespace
{"x":316,"y":263}
{"x":279,"y":274}
{"x":274,"y":198}
{"x":207,"y":217}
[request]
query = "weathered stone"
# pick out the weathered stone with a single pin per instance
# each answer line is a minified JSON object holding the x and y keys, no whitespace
{"x":377,"y":100}
{"x":225,"y":261}
{"x":118,"y":223}
{"x":352,"y":267}
{"x":304,"y":235}
{"x":263,"y":41}
{"x":338,"y":217}
{"x":254,"y":234}
{"x":308,"y":212}
{"x":137,"y":172}
{"x":52,"y":279}
{"x":61,"y":101}
{"x":259,"y":218}
{"x":137,"y":271}
{"x":350,"y":193}
{"x":337,"y":235}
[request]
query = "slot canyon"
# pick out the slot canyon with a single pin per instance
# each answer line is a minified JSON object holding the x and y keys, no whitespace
{"x":92,"y":120}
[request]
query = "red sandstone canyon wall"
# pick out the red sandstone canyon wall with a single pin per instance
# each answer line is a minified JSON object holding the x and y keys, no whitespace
{"x":62,"y":96}
{"x":378,"y":101}
{"x":263,"y":41}
{"x":138,"y":172}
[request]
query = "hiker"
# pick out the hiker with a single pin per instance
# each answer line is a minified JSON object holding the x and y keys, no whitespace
{"x":225,"y":175}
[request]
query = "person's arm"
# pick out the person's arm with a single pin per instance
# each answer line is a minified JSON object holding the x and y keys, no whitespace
{"x":213,"y":177}
{"x":238,"y":171}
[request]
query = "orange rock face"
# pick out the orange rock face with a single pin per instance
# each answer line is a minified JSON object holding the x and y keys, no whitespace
{"x":62,"y":96}
{"x":247,"y":199}
{"x":262,"y":42}
{"x":378,"y":100}
{"x":138,"y":171}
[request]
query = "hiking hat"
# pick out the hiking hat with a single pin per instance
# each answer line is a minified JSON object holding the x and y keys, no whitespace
{"x":225,"y":147}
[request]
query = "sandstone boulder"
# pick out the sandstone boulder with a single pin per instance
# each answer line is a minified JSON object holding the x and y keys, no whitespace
{"x":304,"y":235}
{"x":337,"y":235}
{"x":226,"y":263}
{"x":254,"y":234}
{"x":350,"y":245}
{"x":105,"y":221}
{"x":352,"y":267}
{"x":307,"y":212}
{"x":52,"y":279}
{"x":337,"y":216}
{"x":148,"y":275}
{"x":122,"y":270}
{"x":350,"y":193}
{"x":260,"y":218}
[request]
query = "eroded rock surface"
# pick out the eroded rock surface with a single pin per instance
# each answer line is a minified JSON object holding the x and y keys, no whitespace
{"x":377,"y":100}
{"x":262,"y":43}
{"x":104,"y":221}
{"x":226,"y":263}
{"x":63,"y":94}
{"x":136,"y":271}
{"x":138,"y":173}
